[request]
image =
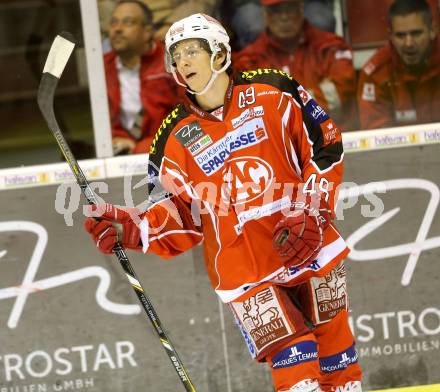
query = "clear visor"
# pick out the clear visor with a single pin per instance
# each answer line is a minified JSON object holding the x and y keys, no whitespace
{"x":182,"y":51}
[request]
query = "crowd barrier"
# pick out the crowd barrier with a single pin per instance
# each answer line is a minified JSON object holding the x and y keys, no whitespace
{"x":70,"y":320}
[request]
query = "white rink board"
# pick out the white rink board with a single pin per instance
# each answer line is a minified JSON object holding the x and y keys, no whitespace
{"x":95,"y":169}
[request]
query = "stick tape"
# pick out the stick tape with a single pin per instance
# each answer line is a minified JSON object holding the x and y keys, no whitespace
{"x":59,"y":54}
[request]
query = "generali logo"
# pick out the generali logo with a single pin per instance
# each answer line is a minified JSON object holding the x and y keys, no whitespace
{"x":330,"y":294}
{"x":262,"y":319}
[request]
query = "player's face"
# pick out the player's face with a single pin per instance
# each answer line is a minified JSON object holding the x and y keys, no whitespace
{"x":285,"y":20}
{"x":411,"y":37}
{"x":193,"y":63}
{"x":128,"y":31}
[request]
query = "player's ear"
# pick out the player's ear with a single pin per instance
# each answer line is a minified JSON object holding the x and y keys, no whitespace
{"x":219,"y":59}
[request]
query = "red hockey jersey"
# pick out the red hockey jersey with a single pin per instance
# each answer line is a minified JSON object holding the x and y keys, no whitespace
{"x":227,"y":182}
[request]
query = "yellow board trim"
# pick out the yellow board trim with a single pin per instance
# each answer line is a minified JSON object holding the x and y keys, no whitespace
{"x":422,"y":388}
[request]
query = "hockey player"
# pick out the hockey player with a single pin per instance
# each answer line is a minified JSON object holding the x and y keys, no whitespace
{"x":248,"y":165}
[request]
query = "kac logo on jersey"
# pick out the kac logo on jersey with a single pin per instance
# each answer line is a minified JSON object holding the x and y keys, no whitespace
{"x":249,"y":134}
{"x":294,"y":355}
{"x":246,"y":179}
{"x":304,"y":95}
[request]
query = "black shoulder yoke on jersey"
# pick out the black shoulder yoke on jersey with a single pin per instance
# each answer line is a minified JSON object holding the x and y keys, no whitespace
{"x":324,"y":157}
{"x":160,"y":138}
{"x":273,"y":77}
{"x":159,"y":141}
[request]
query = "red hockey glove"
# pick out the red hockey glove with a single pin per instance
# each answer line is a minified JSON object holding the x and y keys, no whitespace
{"x":105,"y":234}
{"x":298,"y":237}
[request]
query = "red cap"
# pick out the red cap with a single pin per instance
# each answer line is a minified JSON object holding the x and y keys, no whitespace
{"x":272,"y":2}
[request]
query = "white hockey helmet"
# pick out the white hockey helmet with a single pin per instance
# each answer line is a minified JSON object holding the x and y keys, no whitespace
{"x":198,"y":26}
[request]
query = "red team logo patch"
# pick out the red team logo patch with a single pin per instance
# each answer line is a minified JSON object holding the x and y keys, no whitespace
{"x":330,"y":132}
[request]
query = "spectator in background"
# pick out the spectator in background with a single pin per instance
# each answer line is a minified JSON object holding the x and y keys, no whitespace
{"x":244,"y":19}
{"x":166,"y":12}
{"x":400,"y":84}
{"x":140,"y":91}
{"x":320,"y":14}
{"x":320,"y":61}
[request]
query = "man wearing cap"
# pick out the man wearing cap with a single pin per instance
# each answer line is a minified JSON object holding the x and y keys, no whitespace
{"x":320,"y":61}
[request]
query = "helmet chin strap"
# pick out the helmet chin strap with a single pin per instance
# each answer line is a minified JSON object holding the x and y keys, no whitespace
{"x":211,"y":80}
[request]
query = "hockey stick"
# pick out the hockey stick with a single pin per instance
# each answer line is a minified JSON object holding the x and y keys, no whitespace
{"x":59,"y":54}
